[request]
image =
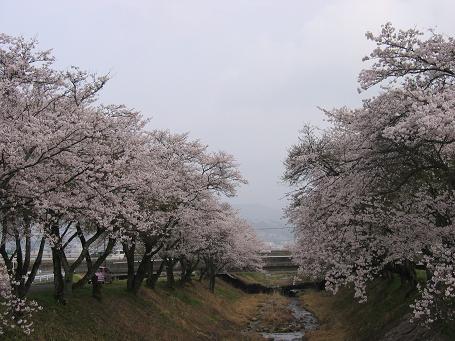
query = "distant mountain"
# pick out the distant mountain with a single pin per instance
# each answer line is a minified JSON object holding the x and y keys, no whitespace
{"x":268,"y":223}
{"x":257,"y":212}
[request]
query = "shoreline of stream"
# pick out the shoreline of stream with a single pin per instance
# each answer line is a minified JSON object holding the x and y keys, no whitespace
{"x":293,"y":330}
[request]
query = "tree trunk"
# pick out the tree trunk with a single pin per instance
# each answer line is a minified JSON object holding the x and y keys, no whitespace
{"x":59,"y":294}
{"x":129,"y":254}
{"x":183,"y":269}
{"x":71,"y":268}
{"x":153,"y":277}
{"x":407,"y":273}
{"x":202,"y":273}
{"x":96,"y":288}
{"x":34,"y":270}
{"x":7,"y":259}
{"x":22,"y":282}
{"x":212,"y":283}
{"x":387,"y":273}
{"x":170,"y":280}
{"x":68,"y":277}
{"x":185,"y":276}
{"x":429,"y":274}
{"x":20,"y":271}
{"x":212,"y":276}
{"x":68,"y":283}
{"x":135,"y":278}
{"x":92,"y":268}
{"x":141,"y":272}
{"x":187,"y":270}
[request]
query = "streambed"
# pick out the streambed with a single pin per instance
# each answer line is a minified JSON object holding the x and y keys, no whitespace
{"x":303,"y":321}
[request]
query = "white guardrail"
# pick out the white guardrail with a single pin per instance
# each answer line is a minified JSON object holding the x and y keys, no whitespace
{"x":47,"y":278}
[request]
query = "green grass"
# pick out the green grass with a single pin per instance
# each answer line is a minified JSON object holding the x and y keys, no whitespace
{"x":183,"y":296}
{"x":272,"y":278}
{"x":193,"y":313}
{"x":184,"y":313}
{"x":421,"y":276}
{"x":343,"y":318}
{"x":227,"y":293}
{"x":387,"y":303}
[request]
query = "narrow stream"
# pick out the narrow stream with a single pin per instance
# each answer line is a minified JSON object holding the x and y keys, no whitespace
{"x":304,"y":321}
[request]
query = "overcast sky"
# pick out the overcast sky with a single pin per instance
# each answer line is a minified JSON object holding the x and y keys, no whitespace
{"x":242,"y":76}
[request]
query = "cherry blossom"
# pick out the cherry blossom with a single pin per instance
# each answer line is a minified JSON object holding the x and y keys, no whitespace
{"x":374,"y":192}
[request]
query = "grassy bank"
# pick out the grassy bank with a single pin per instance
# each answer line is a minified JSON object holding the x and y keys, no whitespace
{"x":342,"y":318}
{"x":189,"y":313}
{"x":268,"y":279}
{"x":193,"y":313}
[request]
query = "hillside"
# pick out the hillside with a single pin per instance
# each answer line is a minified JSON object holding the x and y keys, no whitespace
{"x":384,"y":317}
{"x":189,"y":313}
{"x":268,"y":223}
{"x":193,"y":313}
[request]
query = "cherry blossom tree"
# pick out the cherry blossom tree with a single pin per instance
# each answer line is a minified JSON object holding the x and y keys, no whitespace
{"x":41,"y":122}
{"x":68,"y":164}
{"x":187,"y":172}
{"x":15,"y":312}
{"x":374,"y":192}
{"x":76,"y":172}
{"x":228,"y":243}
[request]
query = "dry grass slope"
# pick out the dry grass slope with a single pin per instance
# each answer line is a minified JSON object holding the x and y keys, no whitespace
{"x":343,"y":319}
{"x":189,"y":313}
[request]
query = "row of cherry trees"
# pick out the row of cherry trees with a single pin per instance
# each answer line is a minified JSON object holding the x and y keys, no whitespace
{"x":375,"y":191}
{"x":74,"y":172}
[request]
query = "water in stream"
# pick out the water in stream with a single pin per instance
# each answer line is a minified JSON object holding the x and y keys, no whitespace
{"x":303,"y":321}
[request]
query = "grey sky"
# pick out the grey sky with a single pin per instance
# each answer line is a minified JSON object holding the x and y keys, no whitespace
{"x":243,"y":76}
